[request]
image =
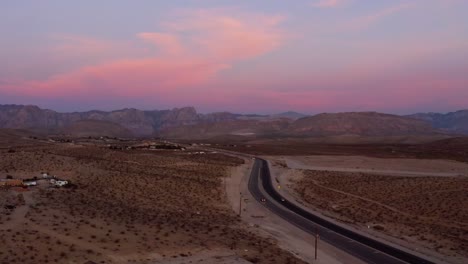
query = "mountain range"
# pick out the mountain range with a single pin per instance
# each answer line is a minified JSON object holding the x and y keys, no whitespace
{"x":455,"y":122}
{"x":188,"y":123}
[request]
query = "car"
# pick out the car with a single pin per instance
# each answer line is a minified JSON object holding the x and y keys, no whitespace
{"x":263,"y":200}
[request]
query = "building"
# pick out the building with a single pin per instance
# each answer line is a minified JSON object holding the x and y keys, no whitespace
{"x":46,"y":176}
{"x":58,"y":183}
{"x":30,"y":183}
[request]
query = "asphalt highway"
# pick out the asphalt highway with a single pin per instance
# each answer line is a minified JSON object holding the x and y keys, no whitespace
{"x":365,"y":248}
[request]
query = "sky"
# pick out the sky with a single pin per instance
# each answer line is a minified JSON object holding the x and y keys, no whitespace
{"x":243,"y":56}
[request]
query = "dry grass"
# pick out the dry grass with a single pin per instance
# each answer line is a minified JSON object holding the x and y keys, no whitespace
{"x":430,"y":210}
{"x":132,"y":207}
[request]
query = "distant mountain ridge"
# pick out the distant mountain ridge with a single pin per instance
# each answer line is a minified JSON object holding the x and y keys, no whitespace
{"x":138,"y":122}
{"x":358,"y":123}
{"x":456,"y":122}
{"x":290,"y":114}
{"x":186,"y":122}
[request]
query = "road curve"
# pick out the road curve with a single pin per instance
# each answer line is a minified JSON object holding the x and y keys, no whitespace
{"x":360,"y":246}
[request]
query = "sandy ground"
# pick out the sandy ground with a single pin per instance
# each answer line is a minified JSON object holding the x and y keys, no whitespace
{"x":125,"y":207}
{"x":401,"y":167}
{"x":18,"y":219}
{"x":287,"y":176}
{"x":18,"y":215}
{"x":208,"y":257}
{"x":265,"y":223}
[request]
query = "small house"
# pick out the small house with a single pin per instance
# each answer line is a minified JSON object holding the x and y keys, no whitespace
{"x":30,"y":183}
{"x":61,"y":183}
{"x":58,"y":183}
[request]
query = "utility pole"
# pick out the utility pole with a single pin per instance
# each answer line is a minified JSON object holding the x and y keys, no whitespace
{"x":240,"y":203}
{"x":316,"y":241}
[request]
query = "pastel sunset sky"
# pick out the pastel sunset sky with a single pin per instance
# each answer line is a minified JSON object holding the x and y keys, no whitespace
{"x":243,"y":56}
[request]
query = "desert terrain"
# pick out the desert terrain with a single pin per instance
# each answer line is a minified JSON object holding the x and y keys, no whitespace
{"x":454,"y":148}
{"x":388,"y":166}
{"x":122,"y":206}
{"x":416,"y":203}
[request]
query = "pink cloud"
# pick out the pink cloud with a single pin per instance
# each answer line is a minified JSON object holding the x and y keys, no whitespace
{"x":167,"y":42}
{"x":127,"y":78}
{"x":328,"y":3}
{"x":191,"y":51}
{"x":225,"y":37}
{"x":366,"y":21}
{"x":184,"y":63}
{"x":72,"y":44}
{"x":380,"y":94}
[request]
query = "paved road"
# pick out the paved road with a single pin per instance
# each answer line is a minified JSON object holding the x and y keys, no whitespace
{"x":362,"y":247}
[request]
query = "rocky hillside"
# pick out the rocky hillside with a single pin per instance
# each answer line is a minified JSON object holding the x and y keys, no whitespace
{"x":180,"y":121}
{"x":187,"y":123}
{"x":238,"y":127}
{"x":361,"y":123}
{"x":138,"y":122}
{"x":456,"y":122}
{"x":96,"y":128}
